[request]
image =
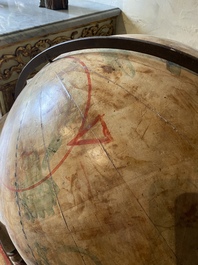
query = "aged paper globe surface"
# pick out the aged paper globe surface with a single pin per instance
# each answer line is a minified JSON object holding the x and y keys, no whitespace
{"x":99,"y":162}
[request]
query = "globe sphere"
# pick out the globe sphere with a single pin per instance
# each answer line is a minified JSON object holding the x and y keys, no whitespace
{"x":99,"y":161}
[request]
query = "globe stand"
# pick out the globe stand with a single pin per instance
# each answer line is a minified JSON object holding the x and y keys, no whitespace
{"x":9,"y":248}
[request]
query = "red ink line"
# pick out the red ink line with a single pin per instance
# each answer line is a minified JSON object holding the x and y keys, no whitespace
{"x":69,"y":151}
{"x":80,"y":133}
{"x":45,"y":178}
{"x":83,"y":131}
{"x":106,"y":133}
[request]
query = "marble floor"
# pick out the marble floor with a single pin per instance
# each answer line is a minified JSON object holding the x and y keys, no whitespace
{"x":19,"y":15}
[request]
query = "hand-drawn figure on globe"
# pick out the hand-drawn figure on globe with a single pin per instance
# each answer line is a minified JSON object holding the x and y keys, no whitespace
{"x":46,"y":192}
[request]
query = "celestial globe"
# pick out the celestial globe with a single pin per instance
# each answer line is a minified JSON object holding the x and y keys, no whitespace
{"x":99,"y":157}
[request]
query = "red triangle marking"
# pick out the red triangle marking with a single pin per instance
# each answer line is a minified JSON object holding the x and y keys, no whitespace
{"x":107,"y":136}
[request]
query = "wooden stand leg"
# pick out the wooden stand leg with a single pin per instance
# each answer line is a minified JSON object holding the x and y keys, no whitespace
{"x":9,"y":248}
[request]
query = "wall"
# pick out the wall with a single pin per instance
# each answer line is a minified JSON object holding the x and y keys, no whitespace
{"x":172,"y":19}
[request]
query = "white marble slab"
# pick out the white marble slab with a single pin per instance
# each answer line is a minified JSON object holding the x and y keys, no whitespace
{"x":22,"y":16}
